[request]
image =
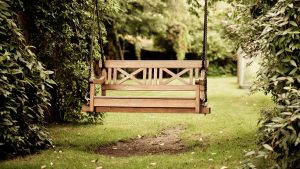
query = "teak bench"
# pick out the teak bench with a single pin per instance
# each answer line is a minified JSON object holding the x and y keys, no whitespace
{"x":150,"y":75}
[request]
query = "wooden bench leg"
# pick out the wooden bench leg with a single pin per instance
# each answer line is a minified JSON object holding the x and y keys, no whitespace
{"x":103,"y":91}
{"x":198,"y":101}
{"x":205,"y":110}
{"x":92,"y":95}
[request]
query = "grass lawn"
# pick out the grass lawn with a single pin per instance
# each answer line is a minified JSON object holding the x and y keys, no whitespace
{"x":216,"y":140}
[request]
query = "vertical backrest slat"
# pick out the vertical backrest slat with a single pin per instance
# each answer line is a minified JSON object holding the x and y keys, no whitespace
{"x":109,"y":76}
{"x":155,"y":76}
{"x":196,"y":73}
{"x":115,"y":76}
{"x":160,"y":76}
{"x":191,"y":72}
{"x":150,"y":76}
{"x":145,"y":76}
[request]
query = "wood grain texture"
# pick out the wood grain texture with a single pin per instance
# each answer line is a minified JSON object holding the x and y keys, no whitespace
{"x":144,"y":102}
{"x":152,"y":79}
{"x":151,"y":88}
{"x":92,"y":95}
{"x":109,"y":76}
{"x":145,"y":110}
{"x":153,"y":64}
{"x":101,"y":80}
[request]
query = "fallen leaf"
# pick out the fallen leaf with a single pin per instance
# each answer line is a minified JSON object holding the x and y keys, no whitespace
{"x":114,"y":148}
{"x":43,"y":166}
{"x":94,"y":161}
{"x":250,"y":153}
{"x":153,"y":164}
{"x":162,"y":144}
{"x":224,"y":167}
{"x":100,"y":167}
{"x":210,"y":159}
{"x":139,"y":136}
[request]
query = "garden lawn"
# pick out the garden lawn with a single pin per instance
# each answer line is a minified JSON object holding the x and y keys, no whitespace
{"x":216,"y":140}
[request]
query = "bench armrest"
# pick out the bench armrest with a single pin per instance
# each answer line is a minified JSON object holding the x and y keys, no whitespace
{"x":101,"y":80}
{"x":199,"y":81}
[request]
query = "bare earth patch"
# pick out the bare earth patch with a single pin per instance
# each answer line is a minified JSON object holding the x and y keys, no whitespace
{"x":167,"y":141}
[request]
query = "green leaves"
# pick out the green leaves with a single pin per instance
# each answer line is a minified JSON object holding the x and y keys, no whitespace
{"x":293,"y":23}
{"x":266,"y":146}
{"x":6,"y":122}
{"x":61,"y":36}
{"x":48,"y":72}
{"x":293,"y":63}
{"x":23,"y":101}
{"x":272,"y":33}
{"x":266,"y":30}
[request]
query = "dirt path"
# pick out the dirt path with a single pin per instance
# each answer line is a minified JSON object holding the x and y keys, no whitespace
{"x":167,"y":141}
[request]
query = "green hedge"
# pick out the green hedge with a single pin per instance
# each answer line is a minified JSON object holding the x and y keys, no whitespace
{"x":22,"y":91}
{"x":272,"y":32}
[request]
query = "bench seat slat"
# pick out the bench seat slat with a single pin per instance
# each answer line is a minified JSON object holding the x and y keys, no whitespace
{"x":145,"y":109}
{"x":151,"y":88}
{"x":205,"y":110}
{"x":144,"y":102}
{"x":145,"y":97}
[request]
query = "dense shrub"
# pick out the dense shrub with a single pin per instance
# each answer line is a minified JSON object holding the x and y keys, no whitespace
{"x":273,"y":33}
{"x":23,"y":97}
{"x":61,"y":33}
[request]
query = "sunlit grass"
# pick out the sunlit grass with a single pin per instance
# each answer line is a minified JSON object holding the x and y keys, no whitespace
{"x":216,"y":140}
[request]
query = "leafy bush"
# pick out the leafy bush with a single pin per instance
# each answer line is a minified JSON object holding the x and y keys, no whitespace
{"x":61,"y":32}
{"x":22,"y":93}
{"x":273,"y":33}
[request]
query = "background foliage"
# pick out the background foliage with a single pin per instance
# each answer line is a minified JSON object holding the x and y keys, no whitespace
{"x":174,"y":28}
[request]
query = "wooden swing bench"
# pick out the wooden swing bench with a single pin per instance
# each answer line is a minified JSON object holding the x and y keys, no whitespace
{"x":150,"y":75}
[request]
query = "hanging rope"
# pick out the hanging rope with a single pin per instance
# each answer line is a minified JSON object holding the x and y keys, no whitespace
{"x":204,"y":53}
{"x":100,"y":36}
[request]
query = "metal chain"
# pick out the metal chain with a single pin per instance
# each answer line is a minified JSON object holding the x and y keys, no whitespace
{"x":204,"y":52}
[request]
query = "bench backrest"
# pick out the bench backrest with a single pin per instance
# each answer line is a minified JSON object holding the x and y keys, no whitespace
{"x":151,"y":72}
